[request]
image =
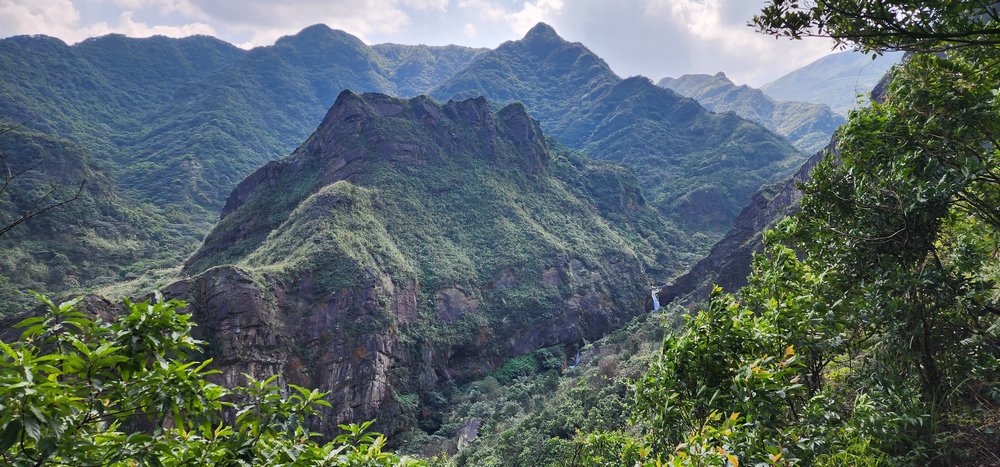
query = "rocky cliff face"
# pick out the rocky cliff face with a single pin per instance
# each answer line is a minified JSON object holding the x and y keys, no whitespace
{"x":728,"y":263}
{"x":407,"y":244}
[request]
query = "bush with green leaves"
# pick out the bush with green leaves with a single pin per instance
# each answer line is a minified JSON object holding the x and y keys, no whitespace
{"x":78,"y":391}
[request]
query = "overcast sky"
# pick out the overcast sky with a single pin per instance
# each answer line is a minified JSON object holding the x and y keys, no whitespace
{"x":654,"y":38}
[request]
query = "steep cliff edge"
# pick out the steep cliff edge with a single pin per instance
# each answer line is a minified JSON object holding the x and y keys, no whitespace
{"x":408,"y":244}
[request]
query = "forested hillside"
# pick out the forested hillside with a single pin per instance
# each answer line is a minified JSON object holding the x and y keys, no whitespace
{"x":510,"y":270}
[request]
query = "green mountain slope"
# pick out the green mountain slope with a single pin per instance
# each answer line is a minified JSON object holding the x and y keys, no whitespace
{"x":172,"y":125}
{"x":408,"y":245}
{"x":415,"y":69}
{"x":198,"y":114}
{"x":836,"y":80}
{"x":99,"y":238}
{"x":699,"y":168}
{"x":807,"y":126}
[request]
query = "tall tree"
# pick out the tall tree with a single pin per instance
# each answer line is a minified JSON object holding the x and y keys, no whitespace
{"x":38,"y":205}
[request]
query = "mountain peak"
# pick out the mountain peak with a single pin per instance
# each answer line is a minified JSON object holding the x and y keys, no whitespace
{"x":722,"y":76}
{"x":319,"y":33}
{"x":542,"y":30}
{"x":318,"y":28}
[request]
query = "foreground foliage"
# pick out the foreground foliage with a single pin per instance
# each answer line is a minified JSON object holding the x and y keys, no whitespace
{"x":75,"y":390}
{"x":868,"y":332}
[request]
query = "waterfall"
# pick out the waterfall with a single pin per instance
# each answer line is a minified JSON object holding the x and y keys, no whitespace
{"x":656,"y":301}
{"x":576,"y":360}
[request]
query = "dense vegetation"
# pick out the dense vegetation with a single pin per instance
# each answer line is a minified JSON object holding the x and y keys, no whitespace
{"x":409,"y":248}
{"x":807,"y":126}
{"x":868,"y":333}
{"x":93,"y":239}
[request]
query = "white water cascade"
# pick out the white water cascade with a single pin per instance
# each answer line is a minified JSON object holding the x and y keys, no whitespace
{"x":576,"y":360}
{"x":656,"y":301}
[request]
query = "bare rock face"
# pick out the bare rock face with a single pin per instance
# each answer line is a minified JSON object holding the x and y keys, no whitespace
{"x":452,"y":303}
{"x":258,"y":326}
{"x":469,"y":432}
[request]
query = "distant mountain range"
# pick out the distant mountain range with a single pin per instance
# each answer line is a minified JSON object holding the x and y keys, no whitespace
{"x":807,"y":126}
{"x":697,"y":167}
{"x":838,"y":80}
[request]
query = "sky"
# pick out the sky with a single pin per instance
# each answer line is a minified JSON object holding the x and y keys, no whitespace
{"x":653,"y":38}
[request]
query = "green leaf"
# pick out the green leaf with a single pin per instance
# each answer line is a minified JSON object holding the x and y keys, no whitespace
{"x":9,"y":435}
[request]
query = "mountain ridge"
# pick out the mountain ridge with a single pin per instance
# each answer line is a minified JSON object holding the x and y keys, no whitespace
{"x":807,"y":126}
{"x":581,"y":102}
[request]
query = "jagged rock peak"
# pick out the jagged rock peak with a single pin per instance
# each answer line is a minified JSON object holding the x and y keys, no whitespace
{"x":475,"y":111}
{"x":350,"y":105}
{"x":352,"y":113}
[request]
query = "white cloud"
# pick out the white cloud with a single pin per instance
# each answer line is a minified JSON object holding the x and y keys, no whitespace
{"x":532,"y":13}
{"x":469,"y":30}
{"x":55,"y":17}
{"x":183,"y":7}
{"x":518,"y":20}
{"x":262,"y":22}
{"x":439,"y":5}
{"x":60,"y":18}
{"x":721,"y":25}
{"x":130,"y":27}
